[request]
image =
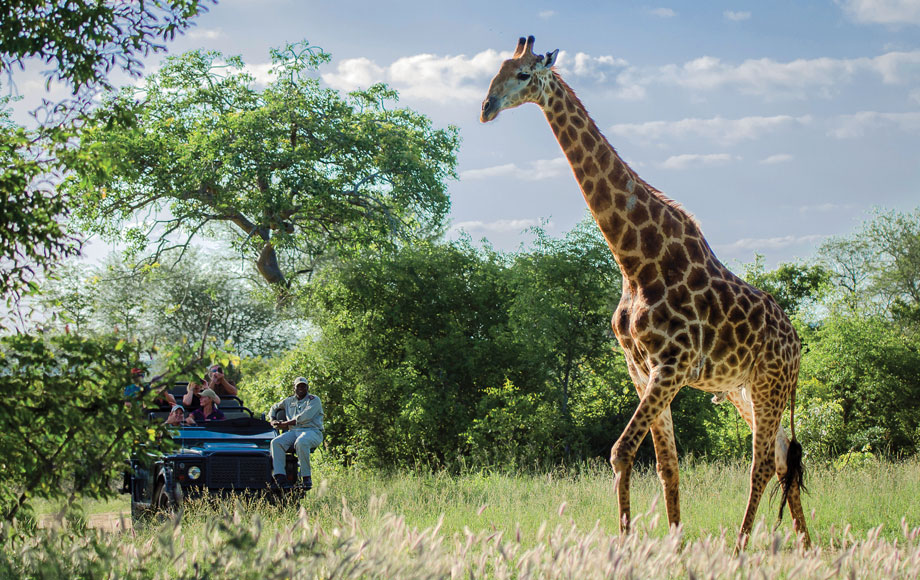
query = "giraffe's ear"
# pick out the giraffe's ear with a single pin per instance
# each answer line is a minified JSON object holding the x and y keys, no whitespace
{"x":550,"y":59}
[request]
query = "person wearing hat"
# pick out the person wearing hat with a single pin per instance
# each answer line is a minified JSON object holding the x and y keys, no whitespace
{"x":304,"y":418}
{"x":192,"y":397}
{"x":177,"y":417}
{"x":208,"y":410}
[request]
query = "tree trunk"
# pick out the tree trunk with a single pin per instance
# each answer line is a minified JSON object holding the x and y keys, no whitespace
{"x":268,"y":265}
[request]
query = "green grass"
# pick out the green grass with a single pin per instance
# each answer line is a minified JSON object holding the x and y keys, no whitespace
{"x":713,"y":497}
{"x":367,"y":524}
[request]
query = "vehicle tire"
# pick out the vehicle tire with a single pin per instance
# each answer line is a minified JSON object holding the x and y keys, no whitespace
{"x":140,"y":516}
{"x":166,"y":504}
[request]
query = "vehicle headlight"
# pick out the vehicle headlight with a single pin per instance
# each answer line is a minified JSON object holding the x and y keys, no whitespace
{"x":194,"y":472}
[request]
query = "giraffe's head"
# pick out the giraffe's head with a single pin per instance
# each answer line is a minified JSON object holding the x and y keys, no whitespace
{"x":521,"y":79}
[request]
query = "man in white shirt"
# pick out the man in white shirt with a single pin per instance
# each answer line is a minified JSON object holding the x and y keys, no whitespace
{"x":304,"y":418}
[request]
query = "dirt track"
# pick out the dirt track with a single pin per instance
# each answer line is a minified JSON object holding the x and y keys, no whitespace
{"x":110,"y":521}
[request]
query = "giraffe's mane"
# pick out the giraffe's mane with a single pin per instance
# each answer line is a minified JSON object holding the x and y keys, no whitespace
{"x":681,"y":210}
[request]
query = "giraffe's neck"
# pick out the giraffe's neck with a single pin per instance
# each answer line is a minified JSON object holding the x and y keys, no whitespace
{"x":636,"y":220}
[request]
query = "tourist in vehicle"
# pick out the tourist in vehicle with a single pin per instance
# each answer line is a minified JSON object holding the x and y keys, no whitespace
{"x":137,"y":388}
{"x":192,"y":398}
{"x":218,"y":383}
{"x":304,"y":418}
{"x":177,"y":417}
{"x":208,"y":410}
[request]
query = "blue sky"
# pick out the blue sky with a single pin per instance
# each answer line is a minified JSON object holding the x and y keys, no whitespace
{"x":776,"y":124}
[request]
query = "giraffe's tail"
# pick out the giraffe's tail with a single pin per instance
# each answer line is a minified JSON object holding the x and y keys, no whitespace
{"x":795,"y":470}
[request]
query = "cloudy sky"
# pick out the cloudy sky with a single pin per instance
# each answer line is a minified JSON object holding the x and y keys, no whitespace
{"x":777,"y":124}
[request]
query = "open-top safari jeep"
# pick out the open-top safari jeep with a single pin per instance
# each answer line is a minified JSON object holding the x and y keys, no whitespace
{"x":229,"y":456}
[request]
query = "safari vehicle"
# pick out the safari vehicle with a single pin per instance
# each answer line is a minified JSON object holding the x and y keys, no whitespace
{"x":229,"y":456}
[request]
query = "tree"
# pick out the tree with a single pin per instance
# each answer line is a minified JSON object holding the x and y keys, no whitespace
{"x":84,"y":42}
{"x":32,"y":239}
{"x":65,"y":429}
{"x":565,"y":291}
{"x":291,"y":171}
{"x":408,"y":340}
{"x":156,"y":306}
{"x":793,"y":286}
{"x":868,"y":367}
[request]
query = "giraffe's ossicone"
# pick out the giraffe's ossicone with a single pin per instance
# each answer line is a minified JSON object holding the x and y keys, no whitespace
{"x":684,"y":318}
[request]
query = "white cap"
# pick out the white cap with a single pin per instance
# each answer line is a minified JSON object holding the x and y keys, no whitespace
{"x":303,"y":380}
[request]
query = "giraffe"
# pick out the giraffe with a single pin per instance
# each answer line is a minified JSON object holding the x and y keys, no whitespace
{"x":684,"y":318}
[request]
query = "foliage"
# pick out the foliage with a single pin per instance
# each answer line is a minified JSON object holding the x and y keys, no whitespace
{"x":408,"y":340}
{"x":85,"y":41}
{"x":564,"y":292}
{"x":291,"y":171}
{"x":795,"y":287}
{"x":65,"y":429}
{"x":868,"y":367}
{"x":515,"y":429}
{"x":32,"y":239}
{"x":159,"y":306}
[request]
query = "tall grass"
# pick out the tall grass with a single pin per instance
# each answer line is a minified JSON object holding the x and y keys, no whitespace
{"x":359,"y":524}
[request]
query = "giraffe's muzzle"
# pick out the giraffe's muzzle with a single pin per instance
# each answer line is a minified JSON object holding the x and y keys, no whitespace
{"x":489,"y":109}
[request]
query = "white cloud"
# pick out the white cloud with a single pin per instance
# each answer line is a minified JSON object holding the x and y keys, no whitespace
{"x":663,"y":13}
{"x":736,"y":16}
{"x":462,"y":78}
{"x":422,"y":76}
{"x":717,"y":129}
{"x":882,"y":11}
{"x":537,"y":170}
{"x":778,"y":158}
{"x":770,"y":78}
{"x":498,"y":226}
{"x":205,"y":33}
{"x":769,"y":243}
{"x":595,"y":67}
{"x":261,"y":72}
{"x":546,"y":14}
{"x":355,"y":73}
{"x":857,"y":125}
{"x":688,"y":160}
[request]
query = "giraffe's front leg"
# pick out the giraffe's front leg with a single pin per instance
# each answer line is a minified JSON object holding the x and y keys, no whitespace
{"x":655,"y":398}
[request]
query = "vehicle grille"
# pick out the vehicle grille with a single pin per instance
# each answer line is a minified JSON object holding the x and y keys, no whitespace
{"x":236,"y":472}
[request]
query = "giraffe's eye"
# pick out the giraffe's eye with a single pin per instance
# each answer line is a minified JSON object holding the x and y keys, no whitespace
{"x":523,"y":76}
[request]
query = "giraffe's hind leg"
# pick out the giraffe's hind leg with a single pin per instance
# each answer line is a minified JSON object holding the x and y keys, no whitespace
{"x":793,"y":495}
{"x":666,"y":463}
{"x":794,"y":498}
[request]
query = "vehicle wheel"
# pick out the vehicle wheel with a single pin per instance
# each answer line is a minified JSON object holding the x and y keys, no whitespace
{"x":166,"y":504}
{"x":140,"y":516}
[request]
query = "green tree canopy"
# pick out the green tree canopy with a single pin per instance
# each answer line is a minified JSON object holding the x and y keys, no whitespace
{"x":156,"y":307}
{"x":794,"y":286}
{"x":65,"y":428}
{"x":84,"y":41}
{"x":290,"y":171}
